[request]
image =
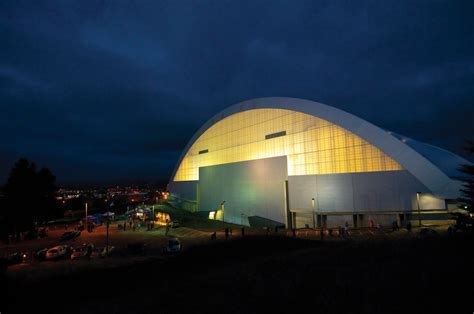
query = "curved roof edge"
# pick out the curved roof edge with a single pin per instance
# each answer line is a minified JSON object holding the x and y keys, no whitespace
{"x":445,"y":160}
{"x":424,"y":170}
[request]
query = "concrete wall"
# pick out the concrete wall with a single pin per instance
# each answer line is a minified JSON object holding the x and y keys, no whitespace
{"x":250,"y":188}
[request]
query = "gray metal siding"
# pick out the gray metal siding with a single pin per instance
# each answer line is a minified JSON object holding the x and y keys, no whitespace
{"x":250,"y":188}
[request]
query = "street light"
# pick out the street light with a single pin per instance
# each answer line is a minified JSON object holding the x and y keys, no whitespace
{"x":108,"y":215}
{"x":418,"y":205}
{"x":85,"y":225}
{"x":314,"y":218}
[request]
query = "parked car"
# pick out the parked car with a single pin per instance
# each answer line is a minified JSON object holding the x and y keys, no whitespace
{"x":427,"y":233}
{"x":464,"y":223}
{"x":173,"y":246}
{"x":16,"y":258}
{"x":40,"y":255}
{"x":57,"y":252}
{"x":83,"y":251}
{"x":70,"y":235}
{"x":100,"y":252}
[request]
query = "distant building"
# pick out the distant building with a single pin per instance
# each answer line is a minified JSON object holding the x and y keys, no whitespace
{"x":300,"y":163}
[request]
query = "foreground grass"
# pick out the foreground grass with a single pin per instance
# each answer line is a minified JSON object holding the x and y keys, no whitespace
{"x":273,"y":274}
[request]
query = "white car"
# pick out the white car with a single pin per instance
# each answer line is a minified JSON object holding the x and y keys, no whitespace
{"x":56,"y":252}
{"x":173,"y":246}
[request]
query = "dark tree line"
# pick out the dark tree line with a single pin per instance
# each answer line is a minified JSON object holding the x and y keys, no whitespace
{"x":468,"y":180}
{"x":28,"y":197}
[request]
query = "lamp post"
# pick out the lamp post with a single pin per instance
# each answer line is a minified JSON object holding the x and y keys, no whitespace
{"x":85,"y":224}
{"x":107,"y":220}
{"x":418,"y":205}
{"x":107,"y":241}
{"x":314,"y":218}
{"x":321,"y":234}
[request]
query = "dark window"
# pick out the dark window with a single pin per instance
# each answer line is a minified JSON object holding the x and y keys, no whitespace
{"x":273,"y":135}
{"x":204,"y":151}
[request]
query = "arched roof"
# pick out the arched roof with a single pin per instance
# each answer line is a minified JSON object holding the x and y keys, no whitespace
{"x":446,"y":161}
{"x":423,"y":169}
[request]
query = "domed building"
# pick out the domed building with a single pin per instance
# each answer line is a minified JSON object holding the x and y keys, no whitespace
{"x":299,"y":163}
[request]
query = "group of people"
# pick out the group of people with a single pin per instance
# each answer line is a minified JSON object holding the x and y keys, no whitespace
{"x":134,"y":225}
{"x":344,"y":231}
{"x":37,"y":232}
{"x":376,"y":226}
{"x":395,"y":226}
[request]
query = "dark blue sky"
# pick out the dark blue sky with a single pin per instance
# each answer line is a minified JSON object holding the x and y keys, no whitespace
{"x":110,"y":91}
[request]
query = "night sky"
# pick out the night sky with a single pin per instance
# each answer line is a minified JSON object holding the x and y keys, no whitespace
{"x":111,"y":91}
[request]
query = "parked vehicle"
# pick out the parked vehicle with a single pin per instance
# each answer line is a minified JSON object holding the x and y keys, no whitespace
{"x":100,"y":252}
{"x":57,"y":252}
{"x":464,"y":223}
{"x":40,"y":255}
{"x":16,"y":258}
{"x":70,"y":235}
{"x":427,"y":233}
{"x":83,"y":251}
{"x":173,"y":246}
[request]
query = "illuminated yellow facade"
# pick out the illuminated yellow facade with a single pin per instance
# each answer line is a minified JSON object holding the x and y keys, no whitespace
{"x":312,"y":145}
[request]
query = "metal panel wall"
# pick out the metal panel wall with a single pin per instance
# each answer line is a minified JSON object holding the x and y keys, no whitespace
{"x":358,"y":192}
{"x":249,"y":188}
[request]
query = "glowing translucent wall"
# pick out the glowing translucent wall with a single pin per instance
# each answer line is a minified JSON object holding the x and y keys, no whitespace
{"x":313,"y":145}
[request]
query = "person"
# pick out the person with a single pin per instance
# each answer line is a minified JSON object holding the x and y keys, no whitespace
{"x":346,"y":229}
{"x":167,"y":227}
{"x":409,"y":226}
{"x":371,"y":224}
{"x":213,"y":236}
{"x":124,"y":225}
{"x":379,"y":227}
{"x":395,"y":226}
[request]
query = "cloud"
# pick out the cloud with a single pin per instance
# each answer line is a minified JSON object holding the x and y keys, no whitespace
{"x":116,"y":89}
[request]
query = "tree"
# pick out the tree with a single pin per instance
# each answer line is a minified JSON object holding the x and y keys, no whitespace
{"x":468,"y":180}
{"x":29,"y":196}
